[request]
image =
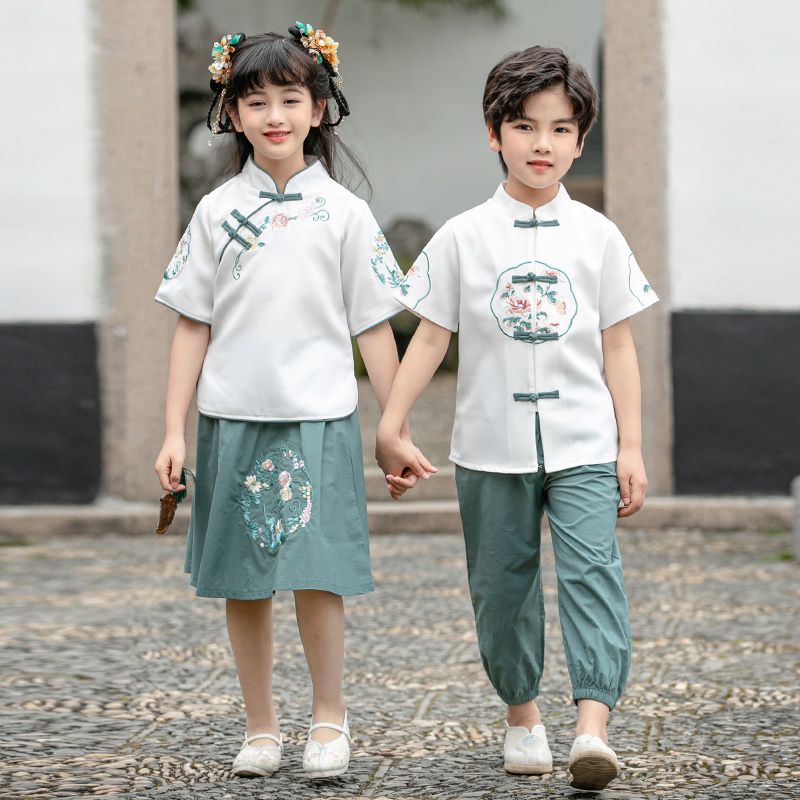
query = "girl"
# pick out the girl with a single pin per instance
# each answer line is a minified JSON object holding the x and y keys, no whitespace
{"x":275,"y":272}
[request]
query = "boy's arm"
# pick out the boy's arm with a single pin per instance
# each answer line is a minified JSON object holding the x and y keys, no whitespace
{"x":424,"y":354}
{"x":189,"y":346}
{"x":379,"y":352}
{"x":622,"y":376}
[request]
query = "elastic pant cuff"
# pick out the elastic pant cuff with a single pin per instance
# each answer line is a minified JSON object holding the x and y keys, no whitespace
{"x":592,"y":693}
{"x":518,"y":698}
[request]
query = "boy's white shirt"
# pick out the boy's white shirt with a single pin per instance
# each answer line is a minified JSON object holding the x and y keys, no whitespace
{"x":462,"y":281}
{"x":284,"y":283}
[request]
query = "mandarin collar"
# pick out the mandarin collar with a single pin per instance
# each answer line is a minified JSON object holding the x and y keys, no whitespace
{"x":304,"y":180}
{"x":522,"y":211}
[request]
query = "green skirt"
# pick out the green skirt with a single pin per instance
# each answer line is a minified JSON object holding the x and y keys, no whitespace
{"x":278,"y":505}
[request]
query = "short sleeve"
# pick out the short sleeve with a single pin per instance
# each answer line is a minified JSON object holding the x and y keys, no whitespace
{"x":624,"y":290}
{"x":369,"y":271}
{"x":431,"y":288}
{"x":188,"y":283}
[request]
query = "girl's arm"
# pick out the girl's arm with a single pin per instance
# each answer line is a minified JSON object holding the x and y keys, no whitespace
{"x":189,"y":347}
{"x":379,"y":352}
{"x":424,"y":354}
{"x":622,"y":377}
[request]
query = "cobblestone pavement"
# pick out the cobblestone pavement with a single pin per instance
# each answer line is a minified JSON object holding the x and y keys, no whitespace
{"x":116,"y":680}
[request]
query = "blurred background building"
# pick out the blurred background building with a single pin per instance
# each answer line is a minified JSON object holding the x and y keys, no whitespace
{"x":104,"y":155}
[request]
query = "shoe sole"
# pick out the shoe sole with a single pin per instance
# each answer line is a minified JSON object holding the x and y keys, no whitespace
{"x":249,"y":772}
{"x":328,"y":773}
{"x":592,"y":772}
{"x":518,"y":769}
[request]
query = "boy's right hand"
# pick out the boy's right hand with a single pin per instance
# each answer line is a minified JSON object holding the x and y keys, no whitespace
{"x":169,"y":463}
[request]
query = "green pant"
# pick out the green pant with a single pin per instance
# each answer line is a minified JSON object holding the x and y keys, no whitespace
{"x":501,"y":515}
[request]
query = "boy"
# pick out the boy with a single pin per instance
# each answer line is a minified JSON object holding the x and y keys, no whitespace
{"x":548,"y":417}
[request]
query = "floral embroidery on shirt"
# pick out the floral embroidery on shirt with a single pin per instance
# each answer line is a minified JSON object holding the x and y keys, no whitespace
{"x":532,"y":306}
{"x":315,"y":211}
{"x":637,"y":283}
{"x":416,"y":281}
{"x":181,"y":256}
{"x":384,"y":266}
{"x":276,"y":497}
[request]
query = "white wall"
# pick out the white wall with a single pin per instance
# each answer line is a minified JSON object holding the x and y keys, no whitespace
{"x":414,"y":82}
{"x":50,"y":263}
{"x":733,"y":116}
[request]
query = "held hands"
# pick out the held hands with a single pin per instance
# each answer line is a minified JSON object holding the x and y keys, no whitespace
{"x":170,"y":462}
{"x":632,"y":481}
{"x":402,"y":463}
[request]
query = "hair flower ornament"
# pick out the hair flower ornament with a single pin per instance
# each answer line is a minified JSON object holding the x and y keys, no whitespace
{"x":319,"y":44}
{"x":221,"y":67}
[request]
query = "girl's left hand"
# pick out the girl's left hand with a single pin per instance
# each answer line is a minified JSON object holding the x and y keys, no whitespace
{"x":632,"y":481}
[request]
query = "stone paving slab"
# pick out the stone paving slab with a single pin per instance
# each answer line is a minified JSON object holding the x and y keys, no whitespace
{"x":116,"y":680}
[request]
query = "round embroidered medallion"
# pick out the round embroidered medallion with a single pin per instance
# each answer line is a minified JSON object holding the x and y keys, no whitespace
{"x":540,"y":301}
{"x":276,"y":498}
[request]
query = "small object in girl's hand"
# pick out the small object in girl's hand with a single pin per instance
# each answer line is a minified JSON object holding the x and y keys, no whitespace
{"x":169,"y":503}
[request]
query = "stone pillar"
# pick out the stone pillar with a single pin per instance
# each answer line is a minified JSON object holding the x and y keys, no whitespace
{"x":635,"y":184}
{"x":136,"y":139}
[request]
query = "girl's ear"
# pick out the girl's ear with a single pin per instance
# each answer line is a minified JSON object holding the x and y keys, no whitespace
{"x":233,"y":112}
{"x":318,"y":113}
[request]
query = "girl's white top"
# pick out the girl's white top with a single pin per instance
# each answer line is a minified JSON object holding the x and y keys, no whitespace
{"x":284,"y":279}
{"x":529,"y":295}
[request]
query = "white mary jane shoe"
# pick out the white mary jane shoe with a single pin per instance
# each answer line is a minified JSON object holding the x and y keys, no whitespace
{"x":592,"y":763}
{"x":258,"y":761}
{"x":526,"y":752}
{"x":330,"y":759}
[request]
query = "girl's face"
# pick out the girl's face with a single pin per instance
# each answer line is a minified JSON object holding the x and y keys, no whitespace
{"x":276,"y":120}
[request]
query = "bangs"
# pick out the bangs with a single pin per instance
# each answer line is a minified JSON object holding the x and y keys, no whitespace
{"x":274,"y":61}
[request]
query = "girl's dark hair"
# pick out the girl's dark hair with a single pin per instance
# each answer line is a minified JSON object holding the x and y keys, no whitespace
{"x":270,"y":58}
{"x":526,"y":72}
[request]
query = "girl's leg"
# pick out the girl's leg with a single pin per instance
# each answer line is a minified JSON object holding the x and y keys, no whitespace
{"x":320,"y":618}
{"x":250,"y":632}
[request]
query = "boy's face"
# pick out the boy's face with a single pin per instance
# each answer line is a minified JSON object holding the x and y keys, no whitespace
{"x":540,"y":146}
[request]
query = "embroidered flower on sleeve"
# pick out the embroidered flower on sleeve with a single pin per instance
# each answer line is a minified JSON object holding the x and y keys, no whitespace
{"x":181,"y":256}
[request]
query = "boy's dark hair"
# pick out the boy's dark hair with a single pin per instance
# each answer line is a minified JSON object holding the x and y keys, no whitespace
{"x":526,"y":72}
{"x":281,"y":60}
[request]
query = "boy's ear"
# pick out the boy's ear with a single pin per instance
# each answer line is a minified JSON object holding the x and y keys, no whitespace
{"x":318,"y":114}
{"x":579,"y":148}
{"x":494,"y":139}
{"x":233,"y":113}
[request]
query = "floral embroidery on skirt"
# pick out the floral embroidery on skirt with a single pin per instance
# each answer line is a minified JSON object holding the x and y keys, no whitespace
{"x":276,"y":498}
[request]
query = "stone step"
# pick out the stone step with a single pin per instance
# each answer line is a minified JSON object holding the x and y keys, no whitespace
{"x":18,"y":523}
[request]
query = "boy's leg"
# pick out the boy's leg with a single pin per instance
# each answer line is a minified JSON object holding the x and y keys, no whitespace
{"x":501,"y":514}
{"x":582,"y":506}
{"x":320,"y":618}
{"x":250,"y":632}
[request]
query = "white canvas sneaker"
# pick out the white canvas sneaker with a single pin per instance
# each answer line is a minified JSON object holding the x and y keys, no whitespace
{"x":258,"y":761}
{"x":592,"y":763}
{"x":526,"y":752}
{"x":330,"y":759}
